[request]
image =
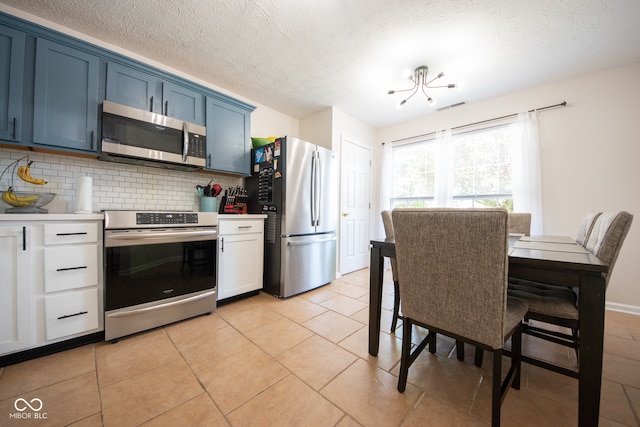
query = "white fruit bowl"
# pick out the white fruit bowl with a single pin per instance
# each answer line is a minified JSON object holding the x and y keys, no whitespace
{"x":32,"y":206}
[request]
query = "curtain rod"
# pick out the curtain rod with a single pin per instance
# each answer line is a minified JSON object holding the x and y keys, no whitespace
{"x":562,"y":104}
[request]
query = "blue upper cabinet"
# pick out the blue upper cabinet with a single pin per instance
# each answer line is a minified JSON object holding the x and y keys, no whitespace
{"x":11,"y":73}
{"x":129,"y":86}
{"x":183,"y":103}
{"x":228,"y":141}
{"x":65,"y":110}
{"x":133,"y":88}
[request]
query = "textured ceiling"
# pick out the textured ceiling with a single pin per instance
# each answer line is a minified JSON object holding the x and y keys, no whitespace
{"x":301,"y":56}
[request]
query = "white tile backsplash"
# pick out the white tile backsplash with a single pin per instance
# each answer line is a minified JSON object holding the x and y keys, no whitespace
{"x":115,"y":185}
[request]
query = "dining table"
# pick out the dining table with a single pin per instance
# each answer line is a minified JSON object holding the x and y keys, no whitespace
{"x":547,"y":259}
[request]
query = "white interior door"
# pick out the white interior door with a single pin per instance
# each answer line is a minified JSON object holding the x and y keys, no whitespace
{"x":355,"y":205}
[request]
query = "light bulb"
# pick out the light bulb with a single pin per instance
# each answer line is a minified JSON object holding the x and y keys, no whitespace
{"x":401,"y":104}
{"x":431,"y":101}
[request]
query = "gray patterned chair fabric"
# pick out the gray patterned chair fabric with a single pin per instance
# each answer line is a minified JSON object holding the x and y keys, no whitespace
{"x":388,"y":231}
{"x":604,"y":233}
{"x":520,"y":223}
{"x":452,"y":271}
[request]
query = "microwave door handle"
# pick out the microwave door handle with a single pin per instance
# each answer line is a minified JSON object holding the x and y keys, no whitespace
{"x":185,"y":141}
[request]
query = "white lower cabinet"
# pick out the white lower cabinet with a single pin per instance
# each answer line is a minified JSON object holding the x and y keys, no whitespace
{"x":54,"y":290}
{"x":240,"y":254}
{"x":15,"y":294}
{"x":71,"y":313}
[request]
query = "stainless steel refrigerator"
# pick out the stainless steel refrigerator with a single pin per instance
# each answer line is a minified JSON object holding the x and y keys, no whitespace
{"x":294,"y":184}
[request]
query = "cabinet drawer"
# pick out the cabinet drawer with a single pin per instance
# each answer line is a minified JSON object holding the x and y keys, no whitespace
{"x":70,"y":267}
{"x":70,"y":233}
{"x":71,"y":313}
{"x":226,"y":227}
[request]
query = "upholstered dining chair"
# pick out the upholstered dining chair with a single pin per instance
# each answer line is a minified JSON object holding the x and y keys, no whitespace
{"x":557,"y":305}
{"x":388,"y":231}
{"x":520,"y":223}
{"x":584,"y":231}
{"x":452,"y":271}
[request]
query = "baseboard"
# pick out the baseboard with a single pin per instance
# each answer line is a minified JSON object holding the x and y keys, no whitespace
{"x":623,"y":308}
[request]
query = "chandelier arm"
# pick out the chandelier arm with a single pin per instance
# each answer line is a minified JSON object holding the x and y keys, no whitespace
{"x":437,"y":87}
{"x":415,"y":85}
{"x":414,"y":92}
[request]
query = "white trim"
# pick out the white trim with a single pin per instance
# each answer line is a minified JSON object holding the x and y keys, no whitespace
{"x":623,"y":308}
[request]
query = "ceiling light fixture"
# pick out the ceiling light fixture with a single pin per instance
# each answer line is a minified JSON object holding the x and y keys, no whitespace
{"x":419,"y":79}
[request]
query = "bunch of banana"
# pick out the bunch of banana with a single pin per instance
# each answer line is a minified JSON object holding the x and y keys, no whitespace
{"x":24,"y":172}
{"x":11,"y":198}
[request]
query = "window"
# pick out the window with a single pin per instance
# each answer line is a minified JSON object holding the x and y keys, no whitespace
{"x":479,"y":167}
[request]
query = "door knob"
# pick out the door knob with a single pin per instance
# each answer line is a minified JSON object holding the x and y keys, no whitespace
{"x":345,"y":214}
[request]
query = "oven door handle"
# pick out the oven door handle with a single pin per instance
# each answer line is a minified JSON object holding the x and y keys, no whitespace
{"x":161,"y":306}
{"x":162,"y":235}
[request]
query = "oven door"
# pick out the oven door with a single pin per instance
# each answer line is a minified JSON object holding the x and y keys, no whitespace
{"x":143,"y":266}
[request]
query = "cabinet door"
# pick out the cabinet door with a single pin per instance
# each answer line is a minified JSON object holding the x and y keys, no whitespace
{"x":228,"y":142}
{"x":240,"y":262}
{"x":11,"y":72}
{"x":65,"y":97}
{"x":183,"y":103}
{"x":134,"y":88}
{"x":15,"y":288}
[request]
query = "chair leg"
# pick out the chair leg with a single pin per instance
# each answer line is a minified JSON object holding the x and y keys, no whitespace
{"x":516,"y":357}
{"x":406,"y":355}
{"x":460,"y":350}
{"x":496,"y":394}
{"x":396,"y":305}
{"x":478,"y":357}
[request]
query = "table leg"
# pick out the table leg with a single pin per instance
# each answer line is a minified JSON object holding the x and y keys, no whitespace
{"x":591,"y":303}
{"x":375,"y":299}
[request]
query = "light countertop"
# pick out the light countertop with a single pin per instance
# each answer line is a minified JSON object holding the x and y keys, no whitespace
{"x":96,"y":216}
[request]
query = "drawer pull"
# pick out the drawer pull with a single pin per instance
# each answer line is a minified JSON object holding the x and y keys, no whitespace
{"x":79,"y":233}
{"x":246,"y":226}
{"x":72,"y":268}
{"x":72,"y":315}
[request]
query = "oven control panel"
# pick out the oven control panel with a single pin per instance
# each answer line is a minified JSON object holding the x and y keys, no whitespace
{"x":148,"y":218}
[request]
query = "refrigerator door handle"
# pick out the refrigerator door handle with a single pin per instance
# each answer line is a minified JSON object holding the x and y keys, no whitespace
{"x":309,"y":242}
{"x":318,"y":189}
{"x":314,"y":196}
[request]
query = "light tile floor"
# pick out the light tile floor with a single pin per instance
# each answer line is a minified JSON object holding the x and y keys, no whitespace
{"x":303,"y":361}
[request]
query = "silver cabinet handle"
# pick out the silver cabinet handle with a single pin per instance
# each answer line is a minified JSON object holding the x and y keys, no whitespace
{"x":151,"y":104}
{"x":14,"y":128}
{"x":166,"y":108}
{"x":245,"y":226}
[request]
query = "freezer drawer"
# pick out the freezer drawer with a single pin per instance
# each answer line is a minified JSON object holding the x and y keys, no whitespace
{"x":307,"y":262}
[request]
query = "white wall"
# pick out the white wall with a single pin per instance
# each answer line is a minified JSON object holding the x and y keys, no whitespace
{"x":590,"y":156}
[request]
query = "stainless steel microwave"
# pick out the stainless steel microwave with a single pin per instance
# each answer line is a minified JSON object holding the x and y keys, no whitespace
{"x":134,"y":136}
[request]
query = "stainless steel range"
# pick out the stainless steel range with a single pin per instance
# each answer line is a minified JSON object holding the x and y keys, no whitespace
{"x":160,"y":267}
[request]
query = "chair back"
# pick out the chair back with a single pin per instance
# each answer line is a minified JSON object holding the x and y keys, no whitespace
{"x":520,"y":223}
{"x":452,"y":268}
{"x":607,"y":235}
{"x":584,"y":231}
{"x":387,"y":221}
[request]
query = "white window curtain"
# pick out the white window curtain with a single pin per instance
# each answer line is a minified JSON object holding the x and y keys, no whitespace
{"x":386,"y":177}
{"x":527,"y":188}
{"x":443,"y":181}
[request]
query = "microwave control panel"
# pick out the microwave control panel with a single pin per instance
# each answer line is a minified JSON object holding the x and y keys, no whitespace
{"x":197,"y":146}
